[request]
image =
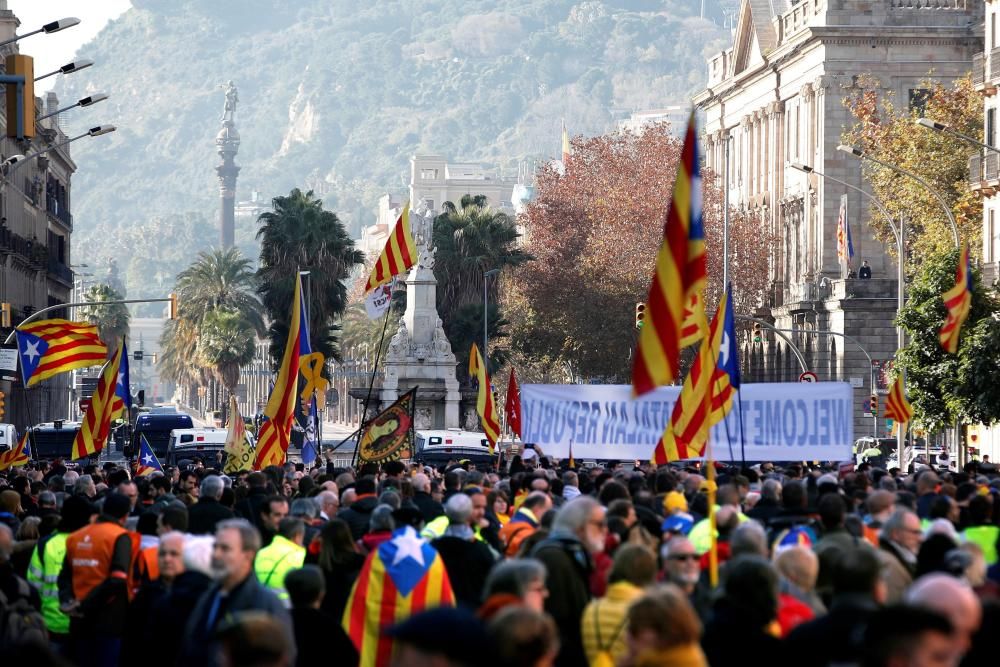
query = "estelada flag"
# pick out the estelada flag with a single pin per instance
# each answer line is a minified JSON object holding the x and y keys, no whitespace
{"x":18,"y":456}
{"x":399,"y":255}
{"x":897,"y":407}
{"x":485,"y":406}
{"x":679,"y":273}
{"x":122,"y":402}
{"x":50,"y":347}
{"x":389,"y":436}
{"x":512,"y":406}
{"x":96,"y":426}
{"x":147,"y":463}
{"x":275,"y":432}
{"x":402,"y":577}
{"x":958,"y":301}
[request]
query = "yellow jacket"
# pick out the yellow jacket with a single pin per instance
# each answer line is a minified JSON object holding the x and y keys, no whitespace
{"x":604,"y":621}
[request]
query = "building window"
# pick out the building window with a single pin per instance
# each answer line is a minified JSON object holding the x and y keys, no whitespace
{"x":991,"y":118}
{"x":991,"y":238}
{"x":918,"y":99}
{"x":428,"y":174}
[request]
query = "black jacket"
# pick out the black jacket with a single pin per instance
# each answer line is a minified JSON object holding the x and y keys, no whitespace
{"x":200,"y":646}
{"x":358,"y":514}
{"x":569,"y":566}
{"x":835,"y":638}
{"x":319,"y":637}
{"x":168,"y":615}
{"x":468,"y":563}
{"x":205,"y":514}
{"x":249,"y":507}
{"x":730,"y":640}
{"x":339,"y":581}
{"x":429,"y":508}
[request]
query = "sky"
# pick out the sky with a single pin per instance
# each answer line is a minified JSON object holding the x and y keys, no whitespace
{"x":53,"y":51}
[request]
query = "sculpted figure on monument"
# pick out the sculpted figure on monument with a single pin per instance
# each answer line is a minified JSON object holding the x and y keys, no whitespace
{"x":442,"y":347}
{"x":232,"y":97}
{"x":399,"y":346}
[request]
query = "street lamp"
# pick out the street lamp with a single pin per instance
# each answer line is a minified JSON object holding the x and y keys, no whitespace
{"x":48,"y":28}
{"x":486,"y":317}
{"x":931,"y":124}
{"x":858,"y":153}
{"x":82,"y":102}
{"x":68,"y":68}
{"x":13,"y":162}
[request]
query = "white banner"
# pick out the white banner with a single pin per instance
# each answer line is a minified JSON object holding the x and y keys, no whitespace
{"x":378,"y":300}
{"x":788,"y":421}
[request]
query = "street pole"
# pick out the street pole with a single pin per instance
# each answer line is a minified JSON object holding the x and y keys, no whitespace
{"x":79,"y":304}
{"x":725,"y":214}
{"x":900,"y":334}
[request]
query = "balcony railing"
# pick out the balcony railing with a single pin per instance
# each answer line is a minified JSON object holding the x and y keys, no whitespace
{"x":35,"y":253}
{"x":993,"y":63}
{"x":991,"y":271}
{"x":975,"y":171}
{"x":991,"y":166}
{"x":60,"y":271}
{"x":58,"y":211}
{"x":978,"y":70}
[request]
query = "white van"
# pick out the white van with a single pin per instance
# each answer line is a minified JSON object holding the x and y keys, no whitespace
{"x":452,"y":444}
{"x":205,"y":443}
{"x":8,"y":437}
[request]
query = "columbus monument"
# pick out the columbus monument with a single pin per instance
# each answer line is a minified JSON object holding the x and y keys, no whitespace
{"x":228,"y":143}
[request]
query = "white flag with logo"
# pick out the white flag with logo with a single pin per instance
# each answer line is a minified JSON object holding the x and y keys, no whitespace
{"x":377,"y":301}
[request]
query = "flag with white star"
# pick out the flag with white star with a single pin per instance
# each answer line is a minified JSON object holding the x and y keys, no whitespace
{"x":50,"y":347}
{"x":121,"y":404}
{"x":402,"y":577}
{"x":147,"y":463}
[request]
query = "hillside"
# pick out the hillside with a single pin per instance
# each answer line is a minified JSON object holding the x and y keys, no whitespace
{"x":335,"y":95}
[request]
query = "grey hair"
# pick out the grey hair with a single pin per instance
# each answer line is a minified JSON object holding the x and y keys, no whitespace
{"x":390,"y":498}
{"x":81,"y":483}
{"x":381,"y":519}
{"x":514,"y":577}
{"x":421,"y":482}
{"x":895,"y":522}
{"x":324,"y":497}
{"x":458,"y":509}
{"x":212,"y":487}
{"x":304,"y":507}
{"x":771,"y":489}
{"x":749,"y":538}
{"x":46,"y":499}
{"x":249,"y":535}
{"x":574,"y":515}
{"x":198,"y":553}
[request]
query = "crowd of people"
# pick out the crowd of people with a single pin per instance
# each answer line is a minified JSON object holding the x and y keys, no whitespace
{"x":603,"y":565}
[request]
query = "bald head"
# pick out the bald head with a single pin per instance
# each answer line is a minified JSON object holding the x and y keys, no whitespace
{"x":951,"y":598}
{"x":799,"y":565}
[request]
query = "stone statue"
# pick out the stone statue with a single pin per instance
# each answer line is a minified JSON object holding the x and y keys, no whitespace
{"x":424,"y":418}
{"x":471,"y":421}
{"x":442,"y":347}
{"x":426,"y":257}
{"x":232,"y":97}
{"x":399,"y":346}
{"x":422,"y":225}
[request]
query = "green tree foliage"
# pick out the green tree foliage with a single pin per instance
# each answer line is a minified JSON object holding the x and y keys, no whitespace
{"x":112,"y":320}
{"x":299,"y":235}
{"x":946,"y":387}
{"x":226,"y":342}
{"x":886,"y":129}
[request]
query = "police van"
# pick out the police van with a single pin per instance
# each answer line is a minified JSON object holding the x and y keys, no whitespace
{"x":435,"y":447}
{"x":54,"y":440}
{"x":187,"y":443}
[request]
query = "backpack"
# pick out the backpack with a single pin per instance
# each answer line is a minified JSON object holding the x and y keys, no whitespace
{"x":20,"y":622}
{"x":603,"y":657}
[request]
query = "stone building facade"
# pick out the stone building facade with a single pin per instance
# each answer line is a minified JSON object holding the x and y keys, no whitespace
{"x":776,"y":96}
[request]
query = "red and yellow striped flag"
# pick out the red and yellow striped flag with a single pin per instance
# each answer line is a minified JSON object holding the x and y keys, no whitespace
{"x":694,"y":312}
{"x":958,"y":301}
{"x":679,"y":273}
{"x":399,"y":255}
{"x":485,"y":405}
{"x":50,"y":347}
{"x":96,"y":426}
{"x":402,"y":577}
{"x":272,"y":441}
{"x":897,"y":407}
{"x":18,"y":456}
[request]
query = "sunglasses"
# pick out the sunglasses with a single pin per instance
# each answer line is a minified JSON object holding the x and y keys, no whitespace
{"x":680,"y":557}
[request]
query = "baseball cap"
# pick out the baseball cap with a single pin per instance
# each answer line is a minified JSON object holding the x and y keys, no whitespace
{"x":680,"y":522}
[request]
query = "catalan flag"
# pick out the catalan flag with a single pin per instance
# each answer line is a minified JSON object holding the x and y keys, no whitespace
{"x":485,"y":405}
{"x":147,"y":463}
{"x":845,"y":245}
{"x":96,"y":427}
{"x":50,"y":347}
{"x":707,"y":397}
{"x":273,"y":439}
{"x":402,"y":577}
{"x":18,"y":456}
{"x":691,"y":331}
{"x":399,"y":255}
{"x":512,"y":406}
{"x":897,"y":407}
{"x":958,"y":301}
{"x":122,"y":402}
{"x":679,"y":273}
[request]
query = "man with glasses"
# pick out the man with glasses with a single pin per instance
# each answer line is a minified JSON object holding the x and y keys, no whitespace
{"x":682,"y":567}
{"x":899,"y":543}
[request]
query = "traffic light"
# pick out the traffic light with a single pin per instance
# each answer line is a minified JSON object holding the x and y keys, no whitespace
{"x":757,"y":336}
{"x":173,"y":305}
{"x":874,"y":405}
{"x":3,"y":404}
{"x":5,"y":319}
{"x":20,"y":108}
{"x":640,"y":314}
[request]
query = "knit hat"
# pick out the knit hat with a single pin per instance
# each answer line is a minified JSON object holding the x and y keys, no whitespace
{"x":674,"y":502}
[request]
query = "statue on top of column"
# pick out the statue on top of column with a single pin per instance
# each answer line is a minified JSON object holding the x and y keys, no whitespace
{"x":232,"y":97}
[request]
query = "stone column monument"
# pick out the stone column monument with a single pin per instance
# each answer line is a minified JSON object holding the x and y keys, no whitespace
{"x":228,"y":143}
{"x":420,"y":354}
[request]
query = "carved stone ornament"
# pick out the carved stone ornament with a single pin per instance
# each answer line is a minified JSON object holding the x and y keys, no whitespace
{"x":399,"y":346}
{"x":424,"y":418}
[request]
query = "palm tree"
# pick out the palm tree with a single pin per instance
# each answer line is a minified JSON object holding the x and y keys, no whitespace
{"x":112,"y":320}
{"x":225,"y":343}
{"x":220,"y":279}
{"x":299,"y":235}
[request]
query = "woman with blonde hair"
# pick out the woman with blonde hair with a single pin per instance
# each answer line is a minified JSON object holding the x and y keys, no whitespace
{"x":663,"y":631}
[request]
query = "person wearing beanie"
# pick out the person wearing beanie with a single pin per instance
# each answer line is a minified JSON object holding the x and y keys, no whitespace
{"x":94,"y":583}
{"x":47,"y":564}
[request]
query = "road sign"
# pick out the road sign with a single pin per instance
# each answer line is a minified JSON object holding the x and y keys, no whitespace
{"x":808,"y":376}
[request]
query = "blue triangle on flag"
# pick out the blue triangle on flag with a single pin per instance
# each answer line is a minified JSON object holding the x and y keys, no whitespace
{"x":30,"y":349}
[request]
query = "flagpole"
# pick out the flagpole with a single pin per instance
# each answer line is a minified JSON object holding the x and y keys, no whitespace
{"x":743,"y":437}
{"x":713,"y":549}
{"x":371,"y":382}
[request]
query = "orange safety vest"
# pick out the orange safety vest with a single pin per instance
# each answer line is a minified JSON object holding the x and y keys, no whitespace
{"x":147,"y":566}
{"x":89,"y":552}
